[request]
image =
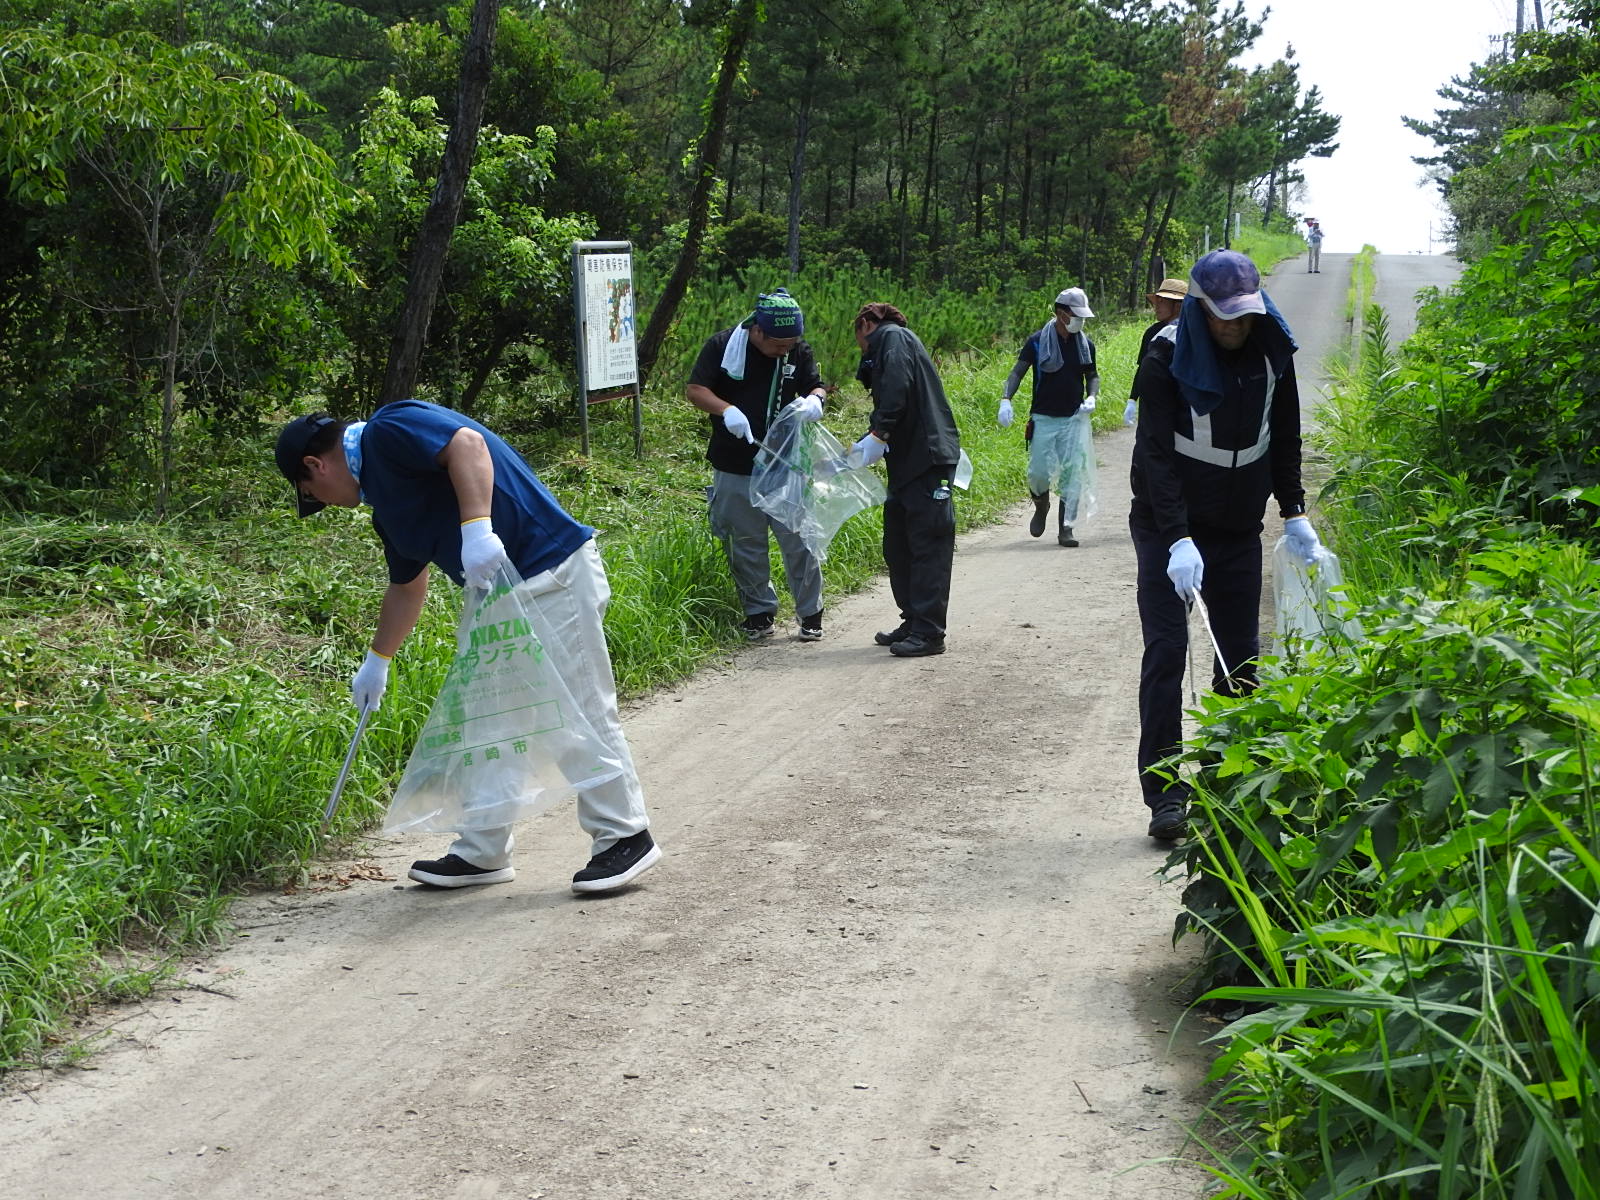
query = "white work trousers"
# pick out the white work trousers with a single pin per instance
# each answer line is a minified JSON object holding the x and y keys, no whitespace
{"x":572,"y":599}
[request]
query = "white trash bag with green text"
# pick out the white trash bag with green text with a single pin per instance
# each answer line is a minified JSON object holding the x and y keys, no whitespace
{"x":803,"y":481}
{"x":504,"y":739}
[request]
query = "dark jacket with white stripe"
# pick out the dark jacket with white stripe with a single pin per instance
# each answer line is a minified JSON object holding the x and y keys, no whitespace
{"x":1215,"y":472}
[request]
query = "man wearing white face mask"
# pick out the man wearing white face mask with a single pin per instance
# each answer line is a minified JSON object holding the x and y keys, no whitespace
{"x":1066,"y":383}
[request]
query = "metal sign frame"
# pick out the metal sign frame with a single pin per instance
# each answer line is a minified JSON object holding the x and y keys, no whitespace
{"x":586,"y":397}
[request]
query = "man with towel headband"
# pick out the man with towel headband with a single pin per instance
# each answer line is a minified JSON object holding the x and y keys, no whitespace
{"x":743,"y":376}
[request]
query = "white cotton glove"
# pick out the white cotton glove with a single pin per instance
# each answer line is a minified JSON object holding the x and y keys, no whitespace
{"x":1303,"y":540}
{"x":736,"y":423}
{"x":1005,"y":416}
{"x":370,"y":681}
{"x":809,"y":408}
{"x":1087,"y":406}
{"x":1130,"y":412}
{"x":482,"y":552}
{"x":1185,"y":567}
{"x":867,"y":451}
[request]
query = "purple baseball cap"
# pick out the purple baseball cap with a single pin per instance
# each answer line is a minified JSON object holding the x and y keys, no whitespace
{"x":1228,"y":283}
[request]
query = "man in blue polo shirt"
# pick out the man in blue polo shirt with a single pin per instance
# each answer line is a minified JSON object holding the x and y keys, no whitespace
{"x":445,"y":491}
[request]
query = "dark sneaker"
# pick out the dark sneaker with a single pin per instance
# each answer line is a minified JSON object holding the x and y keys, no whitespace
{"x":1041,"y":512}
{"x":811,"y":627}
{"x":453,"y":872}
{"x":914,"y":645}
{"x":757,"y":626}
{"x":1168,"y":822}
{"x":1065,"y":537}
{"x":618,"y":865}
{"x":889,"y":637}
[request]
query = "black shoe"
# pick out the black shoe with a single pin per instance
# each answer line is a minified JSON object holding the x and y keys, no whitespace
{"x":888,"y":637}
{"x":914,"y":645}
{"x":1041,"y":513}
{"x":811,"y":627}
{"x":619,"y":864}
{"x":1168,"y":822}
{"x":453,"y":872}
{"x":757,"y":626}
{"x":1065,"y":537}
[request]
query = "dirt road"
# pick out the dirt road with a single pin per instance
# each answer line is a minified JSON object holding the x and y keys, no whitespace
{"x":907,"y":941}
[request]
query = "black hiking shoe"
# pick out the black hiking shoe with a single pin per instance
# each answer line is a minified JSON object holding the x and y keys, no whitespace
{"x":914,"y":645}
{"x":1168,"y":822}
{"x":757,"y":626}
{"x":452,"y":871}
{"x":619,"y":864}
{"x":811,"y":627}
{"x":889,"y":637}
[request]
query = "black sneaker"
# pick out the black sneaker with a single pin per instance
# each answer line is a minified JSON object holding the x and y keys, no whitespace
{"x":618,"y":865}
{"x":453,"y":872}
{"x":889,"y":637}
{"x":1168,"y":822}
{"x":811,"y":627}
{"x":914,"y":645}
{"x":757,"y":626}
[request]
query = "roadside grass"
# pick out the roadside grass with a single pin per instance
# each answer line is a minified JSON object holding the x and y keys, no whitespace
{"x":174,"y":695}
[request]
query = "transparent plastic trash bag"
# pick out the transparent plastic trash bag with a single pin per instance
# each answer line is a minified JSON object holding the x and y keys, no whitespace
{"x":1063,"y":449}
{"x":1310,"y":600}
{"x":504,"y":739}
{"x":803,"y":481}
{"x":963,"y":476}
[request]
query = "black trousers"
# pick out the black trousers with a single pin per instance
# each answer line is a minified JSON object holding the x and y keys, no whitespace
{"x":1231,"y":589}
{"x":919,"y":545}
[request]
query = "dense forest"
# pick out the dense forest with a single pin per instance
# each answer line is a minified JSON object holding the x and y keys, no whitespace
{"x":212,"y":205}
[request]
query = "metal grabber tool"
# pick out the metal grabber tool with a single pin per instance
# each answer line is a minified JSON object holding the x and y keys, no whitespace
{"x":344,"y":771}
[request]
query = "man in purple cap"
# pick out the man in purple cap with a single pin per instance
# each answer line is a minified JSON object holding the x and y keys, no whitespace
{"x":742,"y":377}
{"x":1219,"y":432}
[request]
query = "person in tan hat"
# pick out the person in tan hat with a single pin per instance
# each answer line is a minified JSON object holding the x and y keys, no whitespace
{"x":1167,"y":301}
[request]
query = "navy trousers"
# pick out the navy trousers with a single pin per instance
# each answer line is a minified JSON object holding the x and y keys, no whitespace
{"x":1231,"y":589}
{"x":919,"y":545}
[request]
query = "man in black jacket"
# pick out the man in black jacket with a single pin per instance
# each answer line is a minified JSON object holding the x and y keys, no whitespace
{"x":1219,"y":432}
{"x":1166,"y":302}
{"x":915,"y":432}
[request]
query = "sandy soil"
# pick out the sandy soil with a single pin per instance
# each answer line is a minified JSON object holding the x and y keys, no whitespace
{"x":908,"y":940}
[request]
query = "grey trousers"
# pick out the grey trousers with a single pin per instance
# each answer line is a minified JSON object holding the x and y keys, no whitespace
{"x":742,"y":528}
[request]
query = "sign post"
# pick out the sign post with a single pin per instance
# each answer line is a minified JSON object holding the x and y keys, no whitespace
{"x":603,"y":312}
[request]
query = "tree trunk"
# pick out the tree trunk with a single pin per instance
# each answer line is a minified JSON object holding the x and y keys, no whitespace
{"x":733,"y":177}
{"x":1136,"y":259}
{"x":1272,"y":183}
{"x":1227,"y":220}
{"x":741,"y":24}
{"x":503,"y":336}
{"x":797,"y":163}
{"x":927,"y":167}
{"x":444,"y":209}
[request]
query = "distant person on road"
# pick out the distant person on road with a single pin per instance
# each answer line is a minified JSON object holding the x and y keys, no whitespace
{"x":1219,"y":431}
{"x":445,"y":491}
{"x":1313,"y":246}
{"x":743,"y":376}
{"x":913,"y":430}
{"x":1166,"y":302}
{"x":1066,"y":382}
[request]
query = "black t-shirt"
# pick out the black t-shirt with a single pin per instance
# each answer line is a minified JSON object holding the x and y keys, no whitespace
{"x":750,"y":395}
{"x":1059,"y":393}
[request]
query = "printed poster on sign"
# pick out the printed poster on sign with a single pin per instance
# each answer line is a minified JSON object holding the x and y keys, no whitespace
{"x":608,"y":321}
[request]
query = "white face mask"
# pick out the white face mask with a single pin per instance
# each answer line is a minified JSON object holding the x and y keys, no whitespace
{"x":1075,"y":325}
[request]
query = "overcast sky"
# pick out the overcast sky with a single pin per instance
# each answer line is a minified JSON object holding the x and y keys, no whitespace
{"x":1377,"y":61}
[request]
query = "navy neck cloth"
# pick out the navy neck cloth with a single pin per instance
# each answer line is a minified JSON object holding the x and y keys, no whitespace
{"x":1194,"y":358}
